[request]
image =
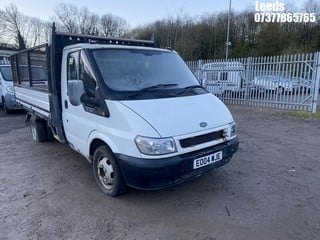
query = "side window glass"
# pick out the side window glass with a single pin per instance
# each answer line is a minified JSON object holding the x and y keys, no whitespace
{"x":224,"y":76}
{"x":87,"y":76}
{"x":214,"y":76}
{"x":73,"y":66}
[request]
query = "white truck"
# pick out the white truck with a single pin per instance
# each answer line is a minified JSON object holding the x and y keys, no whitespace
{"x":136,"y":112}
{"x":7,"y":98}
{"x":224,"y":77}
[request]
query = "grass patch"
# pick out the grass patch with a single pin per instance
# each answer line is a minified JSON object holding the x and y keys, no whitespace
{"x":305,"y":114}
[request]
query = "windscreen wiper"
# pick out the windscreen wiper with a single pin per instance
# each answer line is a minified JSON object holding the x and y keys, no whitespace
{"x":152,"y":88}
{"x":186,"y":89}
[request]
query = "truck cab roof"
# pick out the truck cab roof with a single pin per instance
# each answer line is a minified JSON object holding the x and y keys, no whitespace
{"x":223,"y":66}
{"x":112,"y":46}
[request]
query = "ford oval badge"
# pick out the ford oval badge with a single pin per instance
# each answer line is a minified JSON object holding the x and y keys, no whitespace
{"x":203,"y":124}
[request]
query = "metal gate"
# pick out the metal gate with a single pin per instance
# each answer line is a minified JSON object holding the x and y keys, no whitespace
{"x":287,"y":81}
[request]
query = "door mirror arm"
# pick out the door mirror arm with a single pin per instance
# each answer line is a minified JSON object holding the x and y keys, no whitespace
{"x":89,"y":101}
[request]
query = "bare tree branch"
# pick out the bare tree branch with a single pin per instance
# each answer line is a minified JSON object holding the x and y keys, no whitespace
{"x":113,"y":26}
{"x":66,"y":15}
{"x":16,"y":24}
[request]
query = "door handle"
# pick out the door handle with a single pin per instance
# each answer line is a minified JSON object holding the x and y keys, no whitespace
{"x":65,"y":104}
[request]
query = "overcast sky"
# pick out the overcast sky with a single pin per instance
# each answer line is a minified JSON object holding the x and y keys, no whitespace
{"x":137,"y":12}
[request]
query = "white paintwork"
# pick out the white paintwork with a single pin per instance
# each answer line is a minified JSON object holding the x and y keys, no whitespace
{"x":37,"y":99}
{"x":118,"y":131}
{"x":178,"y":117}
{"x":4,"y":84}
{"x":182,"y":115}
{"x":95,"y":46}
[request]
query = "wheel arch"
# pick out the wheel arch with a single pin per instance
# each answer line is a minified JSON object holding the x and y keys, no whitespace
{"x":96,"y":140}
{"x":94,"y":145}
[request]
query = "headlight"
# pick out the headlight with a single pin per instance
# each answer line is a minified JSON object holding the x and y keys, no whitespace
{"x":155,"y":146}
{"x":233,"y":129}
{"x":10,"y":89}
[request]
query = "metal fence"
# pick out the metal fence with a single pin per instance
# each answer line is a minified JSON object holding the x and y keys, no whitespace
{"x":287,"y":81}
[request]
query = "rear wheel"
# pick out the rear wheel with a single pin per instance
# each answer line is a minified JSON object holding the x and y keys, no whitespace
{"x":38,"y":129}
{"x":107,"y":172}
{"x":49,"y":134}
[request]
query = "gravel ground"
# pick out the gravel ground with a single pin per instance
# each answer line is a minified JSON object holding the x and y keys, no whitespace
{"x":270,"y":189}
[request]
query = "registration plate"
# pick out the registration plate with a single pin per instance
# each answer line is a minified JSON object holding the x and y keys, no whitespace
{"x":207,"y":160}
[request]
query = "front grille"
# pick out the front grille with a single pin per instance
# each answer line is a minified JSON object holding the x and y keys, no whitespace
{"x":192,"y":141}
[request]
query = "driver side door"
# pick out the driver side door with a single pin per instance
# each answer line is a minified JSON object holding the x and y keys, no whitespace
{"x":78,"y":121}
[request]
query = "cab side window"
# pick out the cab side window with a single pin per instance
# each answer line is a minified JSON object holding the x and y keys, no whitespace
{"x":86,"y":75}
{"x":79,"y":69}
{"x":73,"y":66}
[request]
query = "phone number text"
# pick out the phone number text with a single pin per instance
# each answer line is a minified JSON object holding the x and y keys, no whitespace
{"x":261,"y":17}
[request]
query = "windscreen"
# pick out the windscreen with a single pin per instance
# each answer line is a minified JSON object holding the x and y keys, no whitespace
{"x":6,"y":73}
{"x":133,"y":70}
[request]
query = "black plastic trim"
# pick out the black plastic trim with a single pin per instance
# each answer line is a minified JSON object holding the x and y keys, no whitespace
{"x":193,"y":141}
{"x":151,"y":174}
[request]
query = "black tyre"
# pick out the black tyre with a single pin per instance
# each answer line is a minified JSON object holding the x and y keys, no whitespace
{"x":49,"y":134}
{"x":5,"y":108}
{"x":38,"y":129}
{"x":107,"y":172}
{"x":281,"y":91}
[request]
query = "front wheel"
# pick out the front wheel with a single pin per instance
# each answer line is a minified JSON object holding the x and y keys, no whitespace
{"x":281,"y":91}
{"x":5,"y":108}
{"x":107,"y":172}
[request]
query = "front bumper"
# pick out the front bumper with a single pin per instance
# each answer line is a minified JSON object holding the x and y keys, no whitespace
{"x":151,"y":174}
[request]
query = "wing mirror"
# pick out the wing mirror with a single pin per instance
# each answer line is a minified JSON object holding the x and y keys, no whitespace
{"x":75,"y":91}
